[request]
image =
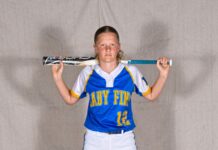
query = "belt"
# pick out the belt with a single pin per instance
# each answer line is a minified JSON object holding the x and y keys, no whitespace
{"x":116,"y":132}
{"x":110,"y":132}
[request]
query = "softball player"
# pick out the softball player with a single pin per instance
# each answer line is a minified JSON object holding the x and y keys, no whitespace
{"x":109,"y":85}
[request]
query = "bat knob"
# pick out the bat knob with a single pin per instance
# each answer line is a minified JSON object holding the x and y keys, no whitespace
{"x":170,"y":62}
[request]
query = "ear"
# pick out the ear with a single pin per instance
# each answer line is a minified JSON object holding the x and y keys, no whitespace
{"x":94,"y":45}
{"x":119,"y":46}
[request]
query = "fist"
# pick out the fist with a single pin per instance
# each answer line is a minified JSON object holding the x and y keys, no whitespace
{"x":57,"y":70}
{"x":163,"y":66}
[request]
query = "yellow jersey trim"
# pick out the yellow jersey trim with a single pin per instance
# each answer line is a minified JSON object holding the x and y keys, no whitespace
{"x":88,"y":80}
{"x":72,"y":93}
{"x":127,"y":69}
{"x":147,"y":92}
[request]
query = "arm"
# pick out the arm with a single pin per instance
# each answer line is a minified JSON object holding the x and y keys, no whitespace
{"x":156,"y":89}
{"x":57,"y":71}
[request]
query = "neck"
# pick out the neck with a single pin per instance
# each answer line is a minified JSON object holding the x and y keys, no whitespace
{"x":108,"y":66}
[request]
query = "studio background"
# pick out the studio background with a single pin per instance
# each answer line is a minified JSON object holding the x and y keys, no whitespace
{"x":33,"y":116}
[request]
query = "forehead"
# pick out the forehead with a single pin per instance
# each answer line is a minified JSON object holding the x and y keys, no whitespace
{"x":107,"y":36}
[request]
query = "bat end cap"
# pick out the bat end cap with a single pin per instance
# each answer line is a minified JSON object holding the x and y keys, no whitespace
{"x":170,"y":62}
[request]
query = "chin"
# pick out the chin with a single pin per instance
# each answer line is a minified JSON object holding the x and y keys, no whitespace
{"x":109,"y":60}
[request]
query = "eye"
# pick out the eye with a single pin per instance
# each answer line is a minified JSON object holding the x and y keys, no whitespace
{"x":113,"y":45}
{"x":102,"y":45}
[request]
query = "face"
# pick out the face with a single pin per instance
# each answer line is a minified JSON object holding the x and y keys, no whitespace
{"x":107,"y":47}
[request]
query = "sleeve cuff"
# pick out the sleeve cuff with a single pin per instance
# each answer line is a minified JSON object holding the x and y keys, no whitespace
{"x":147,"y":92}
{"x":72,"y":93}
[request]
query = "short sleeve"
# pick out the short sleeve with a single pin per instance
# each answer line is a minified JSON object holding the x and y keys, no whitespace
{"x":141,"y":85}
{"x":78,"y":89}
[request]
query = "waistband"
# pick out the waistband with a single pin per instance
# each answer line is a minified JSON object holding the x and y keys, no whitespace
{"x":110,"y":132}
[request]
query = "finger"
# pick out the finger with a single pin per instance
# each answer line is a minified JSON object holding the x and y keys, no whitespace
{"x":164,"y":61}
{"x":159,"y":64}
{"x":61,"y":65}
{"x":160,"y":61}
{"x":54,"y":68}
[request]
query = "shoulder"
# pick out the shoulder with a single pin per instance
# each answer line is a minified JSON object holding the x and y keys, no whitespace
{"x":87,"y":69}
{"x":132,"y":69}
{"x":85,"y":72}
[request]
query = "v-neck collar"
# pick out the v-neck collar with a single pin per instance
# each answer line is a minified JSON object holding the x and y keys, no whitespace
{"x":112,"y":75}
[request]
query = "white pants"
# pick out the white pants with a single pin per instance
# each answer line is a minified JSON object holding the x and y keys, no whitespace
{"x":103,"y":141}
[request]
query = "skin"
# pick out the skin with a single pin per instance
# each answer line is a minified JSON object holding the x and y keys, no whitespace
{"x":157,"y":87}
{"x":107,"y":48}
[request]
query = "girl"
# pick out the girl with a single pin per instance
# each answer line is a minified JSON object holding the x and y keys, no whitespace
{"x":110,"y":85}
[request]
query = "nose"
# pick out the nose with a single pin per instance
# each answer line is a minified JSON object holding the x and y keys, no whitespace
{"x":107,"y":47}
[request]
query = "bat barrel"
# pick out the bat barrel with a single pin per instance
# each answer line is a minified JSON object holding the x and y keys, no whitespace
{"x":48,"y":60}
{"x":76,"y":61}
{"x":43,"y":60}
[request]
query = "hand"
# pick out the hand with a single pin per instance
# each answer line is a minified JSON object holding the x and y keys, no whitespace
{"x":57,"y":70}
{"x":163,"y":66}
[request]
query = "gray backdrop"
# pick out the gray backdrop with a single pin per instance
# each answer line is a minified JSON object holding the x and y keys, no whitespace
{"x":33,"y":116}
